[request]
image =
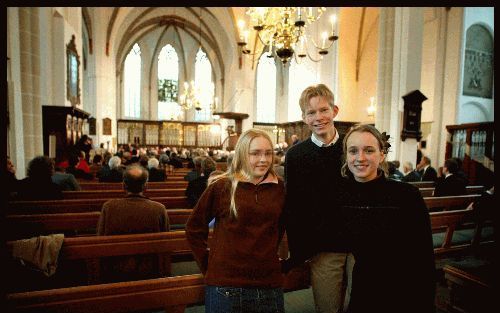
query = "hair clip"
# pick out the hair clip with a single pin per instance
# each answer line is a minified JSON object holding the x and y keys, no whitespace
{"x":385,"y":139}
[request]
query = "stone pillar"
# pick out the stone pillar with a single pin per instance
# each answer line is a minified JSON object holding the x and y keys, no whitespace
{"x":30,"y":82}
{"x":400,"y":42}
{"x":103,"y":80}
{"x":16,"y":125}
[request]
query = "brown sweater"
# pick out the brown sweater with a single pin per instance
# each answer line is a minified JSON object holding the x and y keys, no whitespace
{"x":243,"y":252}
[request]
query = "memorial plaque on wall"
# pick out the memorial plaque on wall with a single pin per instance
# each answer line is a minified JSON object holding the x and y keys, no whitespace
{"x":92,"y":126}
{"x":106,"y":126}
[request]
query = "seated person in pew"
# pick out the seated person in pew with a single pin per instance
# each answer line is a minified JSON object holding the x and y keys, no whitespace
{"x":134,"y":214}
{"x":196,"y":171}
{"x":38,"y":185}
{"x":242,"y":269}
{"x":197,"y":186}
{"x":410,"y":175}
{"x":449,"y":183}
{"x":114,"y":172}
{"x":386,"y":225}
{"x":66,"y":181}
{"x":155,"y":173}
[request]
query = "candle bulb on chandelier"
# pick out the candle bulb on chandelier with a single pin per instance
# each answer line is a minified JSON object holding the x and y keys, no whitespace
{"x":245,"y":35}
{"x":333,"y":19}
{"x":324,"y":35}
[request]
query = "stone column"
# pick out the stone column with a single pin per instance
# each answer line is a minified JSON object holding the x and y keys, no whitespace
{"x":16,"y":124}
{"x":400,"y":42}
{"x":30,"y":82}
{"x":103,"y":79}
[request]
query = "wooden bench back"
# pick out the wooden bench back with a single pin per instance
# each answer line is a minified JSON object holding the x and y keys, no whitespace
{"x":470,"y":190}
{"x":70,"y":224}
{"x":423,"y":184}
{"x":450,"y":202}
{"x":80,"y":205}
{"x":110,"y":194}
{"x":172,"y":294}
{"x":86,"y":185}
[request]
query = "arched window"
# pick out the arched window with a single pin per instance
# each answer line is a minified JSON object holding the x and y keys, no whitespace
{"x":300,"y":77}
{"x":478,"y":63}
{"x":204,"y":84}
{"x":266,"y":89}
{"x":168,"y":84}
{"x":132,"y":83}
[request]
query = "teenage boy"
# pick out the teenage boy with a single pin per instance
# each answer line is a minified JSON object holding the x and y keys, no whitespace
{"x":312,"y":174}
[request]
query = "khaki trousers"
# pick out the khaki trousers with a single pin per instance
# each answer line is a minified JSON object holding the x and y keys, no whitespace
{"x":331,"y":279}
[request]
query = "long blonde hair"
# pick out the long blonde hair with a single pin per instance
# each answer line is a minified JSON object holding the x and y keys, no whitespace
{"x":239,"y":169}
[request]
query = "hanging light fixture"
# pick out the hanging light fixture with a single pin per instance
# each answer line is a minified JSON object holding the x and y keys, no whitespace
{"x":192,"y":94}
{"x":283,"y":30}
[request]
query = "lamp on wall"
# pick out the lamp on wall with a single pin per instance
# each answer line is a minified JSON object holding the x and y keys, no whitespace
{"x":283,"y":30}
{"x":371,"y":108}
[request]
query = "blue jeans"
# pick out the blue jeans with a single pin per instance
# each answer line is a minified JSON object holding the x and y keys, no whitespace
{"x":243,"y":300}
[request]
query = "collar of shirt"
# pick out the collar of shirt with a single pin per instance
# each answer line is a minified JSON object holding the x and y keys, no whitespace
{"x":447,"y":175}
{"x":320,"y":143}
{"x":270,"y":178}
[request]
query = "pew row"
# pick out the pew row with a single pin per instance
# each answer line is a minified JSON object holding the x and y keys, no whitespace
{"x":90,"y":250}
{"x":469,"y":190}
{"x":172,"y":294}
{"x":423,"y":184}
{"x":450,"y":202}
{"x":71,"y":224}
{"x":79,"y":205}
{"x":87,"y":185}
{"x":109,"y":194}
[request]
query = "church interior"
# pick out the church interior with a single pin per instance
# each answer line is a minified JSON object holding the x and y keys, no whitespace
{"x":186,"y":78}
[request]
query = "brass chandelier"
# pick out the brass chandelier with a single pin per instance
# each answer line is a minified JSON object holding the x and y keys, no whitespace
{"x":283,"y":30}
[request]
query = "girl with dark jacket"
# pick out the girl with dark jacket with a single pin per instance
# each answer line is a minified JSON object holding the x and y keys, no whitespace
{"x":386,"y":225}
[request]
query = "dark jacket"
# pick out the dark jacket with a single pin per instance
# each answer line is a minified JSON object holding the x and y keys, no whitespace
{"x":312,"y":176}
{"x":412,"y":176}
{"x":452,"y":185}
{"x":195,"y":188}
{"x":429,"y":174}
{"x":386,"y":225}
{"x":30,"y":189}
{"x":114,"y":175}
{"x":156,"y":175}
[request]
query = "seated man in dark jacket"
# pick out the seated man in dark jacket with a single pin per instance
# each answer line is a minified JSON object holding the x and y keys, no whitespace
{"x":135,"y":214}
{"x":115,"y":172}
{"x":38,"y":185}
{"x":155,"y":173}
{"x":450,"y":184}
{"x":197,"y":186}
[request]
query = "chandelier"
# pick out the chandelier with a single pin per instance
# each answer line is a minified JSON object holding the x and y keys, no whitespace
{"x":193,"y":96}
{"x":283,"y":30}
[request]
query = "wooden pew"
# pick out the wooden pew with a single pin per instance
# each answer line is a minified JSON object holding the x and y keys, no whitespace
{"x":470,"y":190}
{"x":423,"y":184}
{"x":70,"y":224}
{"x":79,"y":205}
{"x":172,"y":294}
{"x":87,"y":185}
{"x":450,"y":202}
{"x":109,"y":194}
{"x":471,"y":287}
